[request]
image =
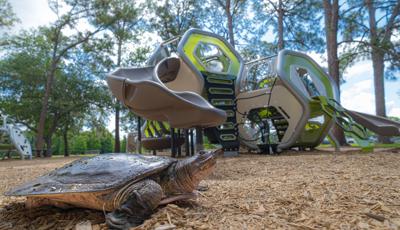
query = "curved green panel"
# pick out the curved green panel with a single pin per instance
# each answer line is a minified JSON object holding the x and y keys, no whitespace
{"x":310,"y":132}
{"x":313,"y":68}
{"x":192,"y":42}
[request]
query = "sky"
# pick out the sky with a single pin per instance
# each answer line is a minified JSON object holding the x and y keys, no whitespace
{"x":357,"y":93}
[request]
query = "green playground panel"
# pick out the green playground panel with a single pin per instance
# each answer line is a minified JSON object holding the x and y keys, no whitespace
{"x":323,"y":106}
{"x":313,"y":68}
{"x":192,"y":43}
{"x":312,"y":131}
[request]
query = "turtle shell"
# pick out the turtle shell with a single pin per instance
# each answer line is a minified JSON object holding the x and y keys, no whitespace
{"x":102,"y":172}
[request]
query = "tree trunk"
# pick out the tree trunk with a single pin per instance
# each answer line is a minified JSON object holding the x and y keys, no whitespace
{"x":117,"y":141}
{"x":43,"y":112}
{"x":331,"y":29}
{"x":229,"y":22}
{"x":49,"y":142}
{"x":65,"y":139}
{"x":378,"y":65}
{"x":379,"y":85}
{"x":117,"y":146}
{"x":281,"y":44}
{"x":49,"y":151}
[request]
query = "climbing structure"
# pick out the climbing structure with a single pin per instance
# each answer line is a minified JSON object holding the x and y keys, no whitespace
{"x":269,"y":104}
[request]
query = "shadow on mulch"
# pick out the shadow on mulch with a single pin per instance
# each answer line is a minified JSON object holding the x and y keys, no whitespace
{"x":16,"y":216}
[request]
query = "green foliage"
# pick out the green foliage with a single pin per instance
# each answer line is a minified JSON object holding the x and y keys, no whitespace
{"x":23,"y":78}
{"x":107,"y":144}
{"x":79,"y":144}
{"x":171,"y":18}
{"x":302,"y":28}
{"x":395,"y":119}
{"x":246,"y":24}
{"x":123,"y":145}
{"x":207,"y":144}
{"x":92,"y":141}
{"x":79,"y":97}
{"x":22,"y":72}
{"x":357,"y":44}
{"x":7,"y":16}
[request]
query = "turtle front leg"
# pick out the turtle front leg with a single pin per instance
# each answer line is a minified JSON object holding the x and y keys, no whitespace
{"x":139,"y":204}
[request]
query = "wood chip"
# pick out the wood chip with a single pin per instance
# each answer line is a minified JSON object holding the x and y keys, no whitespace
{"x":85,"y":225}
{"x":376,"y":217}
{"x":295,"y":190}
{"x":165,"y":227}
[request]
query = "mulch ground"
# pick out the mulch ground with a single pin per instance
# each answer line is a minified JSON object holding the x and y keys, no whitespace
{"x":295,"y":190}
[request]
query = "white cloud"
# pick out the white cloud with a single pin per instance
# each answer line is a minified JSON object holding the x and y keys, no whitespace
{"x":392,"y":109}
{"x":394,"y":112}
{"x":318,"y":58}
{"x":359,"y":97}
{"x":32,"y":13}
{"x":362,"y":69}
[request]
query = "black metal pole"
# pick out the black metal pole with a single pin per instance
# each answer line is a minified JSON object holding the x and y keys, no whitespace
{"x":139,"y":133}
{"x":187,"y":142}
{"x":173,"y":149}
{"x":191,"y":143}
{"x":199,"y":139}
{"x":178,"y":137}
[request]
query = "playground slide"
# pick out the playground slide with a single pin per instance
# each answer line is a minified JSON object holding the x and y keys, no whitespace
{"x":379,"y":125}
{"x":21,"y":143}
{"x":17,"y":138}
{"x":142,"y":91}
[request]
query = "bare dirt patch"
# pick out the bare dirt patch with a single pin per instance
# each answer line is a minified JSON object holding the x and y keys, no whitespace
{"x":291,"y":191}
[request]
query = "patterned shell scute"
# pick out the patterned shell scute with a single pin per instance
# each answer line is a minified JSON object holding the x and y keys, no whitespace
{"x":99,"y":173}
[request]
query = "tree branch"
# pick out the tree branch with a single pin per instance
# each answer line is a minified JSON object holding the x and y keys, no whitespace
{"x":389,"y":25}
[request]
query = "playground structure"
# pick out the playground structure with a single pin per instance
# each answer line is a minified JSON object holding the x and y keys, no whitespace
{"x":19,"y":142}
{"x":269,"y":104}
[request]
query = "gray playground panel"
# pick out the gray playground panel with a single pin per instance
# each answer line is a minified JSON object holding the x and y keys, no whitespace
{"x":143,"y":91}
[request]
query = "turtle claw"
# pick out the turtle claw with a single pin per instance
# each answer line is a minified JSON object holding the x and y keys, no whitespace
{"x":122,"y":220}
{"x":137,"y":207}
{"x":130,"y":214}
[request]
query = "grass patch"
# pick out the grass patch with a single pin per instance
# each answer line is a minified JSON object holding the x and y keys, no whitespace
{"x":375,"y":145}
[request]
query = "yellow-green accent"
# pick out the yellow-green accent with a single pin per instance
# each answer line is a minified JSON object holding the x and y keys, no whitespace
{"x":230,"y":113}
{"x":219,"y":81}
{"x":153,"y":126}
{"x":194,"y":39}
{"x":221,"y":91}
{"x":227,"y":137}
{"x":217,"y":102}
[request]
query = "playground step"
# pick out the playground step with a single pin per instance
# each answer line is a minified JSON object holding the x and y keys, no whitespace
{"x":220,"y":90}
{"x":280,"y":125}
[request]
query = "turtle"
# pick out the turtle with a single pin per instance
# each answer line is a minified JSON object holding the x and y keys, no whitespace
{"x":128,"y":187}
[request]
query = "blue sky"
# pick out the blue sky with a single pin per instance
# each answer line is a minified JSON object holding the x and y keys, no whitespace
{"x":356,"y":94}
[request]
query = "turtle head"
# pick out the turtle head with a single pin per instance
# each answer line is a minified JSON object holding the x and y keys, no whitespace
{"x":190,"y":171}
{"x":200,"y":166}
